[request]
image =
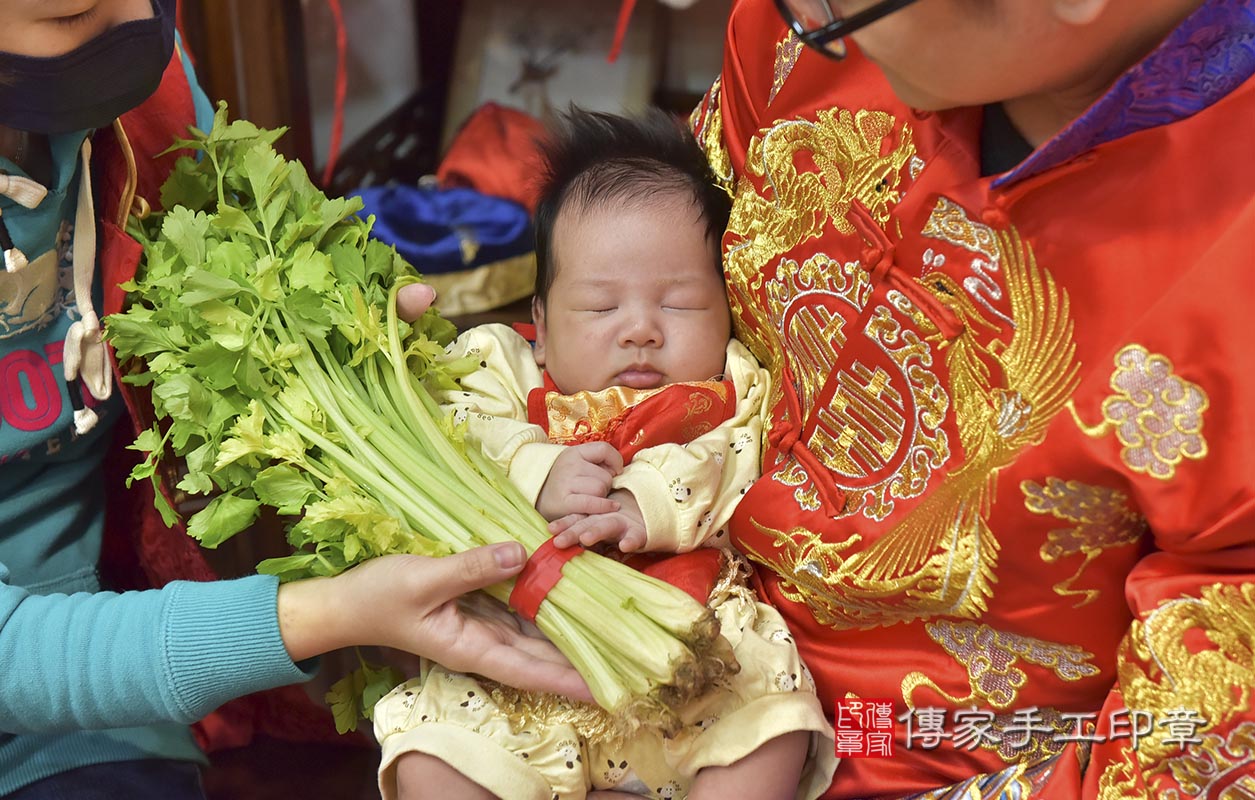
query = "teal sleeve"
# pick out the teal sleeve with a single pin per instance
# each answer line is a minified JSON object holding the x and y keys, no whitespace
{"x":108,"y":660}
{"x":200,"y":100}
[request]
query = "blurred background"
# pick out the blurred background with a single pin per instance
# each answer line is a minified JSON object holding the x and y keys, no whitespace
{"x":414,"y":71}
{"x":428,"y":110}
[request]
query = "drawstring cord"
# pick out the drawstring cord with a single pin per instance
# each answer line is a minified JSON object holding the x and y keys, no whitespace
{"x":24,"y":192}
{"x":85,"y":355}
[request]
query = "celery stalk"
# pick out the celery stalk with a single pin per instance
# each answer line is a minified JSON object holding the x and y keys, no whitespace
{"x":264,"y":317}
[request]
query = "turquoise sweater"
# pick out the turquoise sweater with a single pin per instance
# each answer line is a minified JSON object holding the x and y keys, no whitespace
{"x":89,"y":676}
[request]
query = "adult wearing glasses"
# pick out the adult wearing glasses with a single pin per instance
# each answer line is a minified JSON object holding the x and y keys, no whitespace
{"x":998,"y":257}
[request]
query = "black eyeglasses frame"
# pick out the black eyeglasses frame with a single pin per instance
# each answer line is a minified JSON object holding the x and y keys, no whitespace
{"x":820,"y":38}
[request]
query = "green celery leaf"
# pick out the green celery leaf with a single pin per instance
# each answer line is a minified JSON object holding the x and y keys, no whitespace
{"x":234,"y":220}
{"x":187,"y":231}
{"x":349,"y":265}
{"x":345,"y":699}
{"x":286,"y":445}
{"x":378,"y":680}
{"x":285,"y":488}
{"x":148,"y":441}
{"x":229,"y":326}
{"x":247,"y":438}
{"x":183,"y":398}
{"x":225,"y":516}
{"x":213,"y":364}
{"x":311,"y":269}
{"x":288,"y":568}
{"x":265,"y":169}
{"x":234,"y":260}
{"x":196,"y":483}
{"x":306,"y":307}
{"x":248,"y":377}
{"x":200,"y":463}
{"x":188,"y":185}
{"x":137,"y":333}
{"x":203,"y":287}
{"x":169,"y":516}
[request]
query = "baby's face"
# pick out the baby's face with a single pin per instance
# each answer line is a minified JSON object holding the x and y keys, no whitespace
{"x":636,"y":299}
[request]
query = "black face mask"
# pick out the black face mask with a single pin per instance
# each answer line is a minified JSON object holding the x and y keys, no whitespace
{"x":93,"y":85}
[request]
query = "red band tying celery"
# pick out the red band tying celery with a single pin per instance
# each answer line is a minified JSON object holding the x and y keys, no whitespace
{"x":542,"y":570}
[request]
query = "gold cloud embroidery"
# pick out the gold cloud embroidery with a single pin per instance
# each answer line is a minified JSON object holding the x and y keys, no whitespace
{"x":1157,"y":415}
{"x":991,"y":658}
{"x":1103,"y":520}
{"x":787,"y":51}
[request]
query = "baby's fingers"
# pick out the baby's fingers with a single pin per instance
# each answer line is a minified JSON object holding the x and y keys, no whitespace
{"x":632,"y":540}
{"x":599,"y":528}
{"x":563,"y":536}
{"x":584,"y":486}
{"x":584,"y":503}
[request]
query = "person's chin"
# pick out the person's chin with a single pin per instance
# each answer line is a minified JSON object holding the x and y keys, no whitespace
{"x":910,"y":94}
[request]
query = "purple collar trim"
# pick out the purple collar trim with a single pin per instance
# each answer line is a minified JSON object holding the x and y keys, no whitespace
{"x":1209,"y":55}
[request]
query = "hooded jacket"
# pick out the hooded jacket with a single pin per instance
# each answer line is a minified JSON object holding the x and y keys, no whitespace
{"x":78,"y":659}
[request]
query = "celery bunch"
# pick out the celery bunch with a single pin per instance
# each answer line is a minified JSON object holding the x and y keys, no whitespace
{"x":264,"y":319}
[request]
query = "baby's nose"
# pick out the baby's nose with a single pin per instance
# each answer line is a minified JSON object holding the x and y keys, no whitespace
{"x":642,"y":330}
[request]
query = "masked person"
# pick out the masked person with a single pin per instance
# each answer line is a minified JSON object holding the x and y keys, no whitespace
{"x":97,"y":687}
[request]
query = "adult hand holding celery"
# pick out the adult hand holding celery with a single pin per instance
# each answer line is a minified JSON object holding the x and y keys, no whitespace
{"x":265,"y":320}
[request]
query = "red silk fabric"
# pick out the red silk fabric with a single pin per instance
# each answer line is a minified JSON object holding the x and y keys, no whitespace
{"x":633,"y":420}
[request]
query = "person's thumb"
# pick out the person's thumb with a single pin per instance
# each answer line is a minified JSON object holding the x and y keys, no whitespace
{"x":413,"y":300}
{"x":480,"y":567}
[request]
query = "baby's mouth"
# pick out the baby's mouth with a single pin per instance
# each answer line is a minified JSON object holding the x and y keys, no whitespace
{"x":639,"y":377}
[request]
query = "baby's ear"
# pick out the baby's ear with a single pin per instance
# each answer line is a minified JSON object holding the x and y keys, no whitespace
{"x":538,"y":319}
{"x":1078,"y":12}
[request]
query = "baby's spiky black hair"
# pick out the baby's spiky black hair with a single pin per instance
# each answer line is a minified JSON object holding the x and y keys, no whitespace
{"x":595,"y":160}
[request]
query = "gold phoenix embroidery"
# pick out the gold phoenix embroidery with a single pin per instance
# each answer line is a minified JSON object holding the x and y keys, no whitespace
{"x":991,"y":656}
{"x":995,"y":422}
{"x":805,"y":493}
{"x":1162,"y":669}
{"x":950,"y":223}
{"x":1157,"y":415}
{"x":1119,"y":781}
{"x":1103,"y":519}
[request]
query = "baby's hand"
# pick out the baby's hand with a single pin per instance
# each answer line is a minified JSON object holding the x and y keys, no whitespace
{"x":625,"y":526}
{"x":579,"y":481}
